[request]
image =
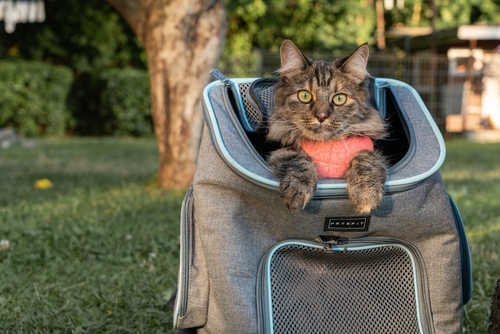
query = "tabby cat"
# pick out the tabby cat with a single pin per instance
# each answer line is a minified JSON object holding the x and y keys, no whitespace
{"x":325,"y":101}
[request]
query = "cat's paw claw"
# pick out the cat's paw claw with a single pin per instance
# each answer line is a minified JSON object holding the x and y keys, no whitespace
{"x":367,"y":199}
{"x":296,"y":195}
{"x":364,"y":208}
{"x":298,"y":202}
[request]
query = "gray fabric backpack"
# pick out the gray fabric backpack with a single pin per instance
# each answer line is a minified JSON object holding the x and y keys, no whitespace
{"x":249,"y":265}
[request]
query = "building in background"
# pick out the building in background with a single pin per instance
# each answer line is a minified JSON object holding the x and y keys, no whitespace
{"x":466,"y":84}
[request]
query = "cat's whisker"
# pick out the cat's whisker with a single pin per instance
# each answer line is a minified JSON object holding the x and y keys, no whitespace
{"x":284,"y":127}
{"x":281,"y":123}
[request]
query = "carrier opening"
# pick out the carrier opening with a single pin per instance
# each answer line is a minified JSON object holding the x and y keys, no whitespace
{"x":257,"y":99}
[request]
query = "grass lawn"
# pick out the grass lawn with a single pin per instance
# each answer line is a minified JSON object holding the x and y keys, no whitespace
{"x":98,"y":252}
{"x":472,"y":176}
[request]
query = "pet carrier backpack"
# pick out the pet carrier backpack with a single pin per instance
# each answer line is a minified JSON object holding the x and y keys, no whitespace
{"x":250,"y":265}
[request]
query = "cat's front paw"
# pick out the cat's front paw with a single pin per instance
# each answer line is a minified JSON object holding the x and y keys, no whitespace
{"x":365,"y":199}
{"x":296,"y":192}
{"x":365,"y":181}
{"x":297,"y":175}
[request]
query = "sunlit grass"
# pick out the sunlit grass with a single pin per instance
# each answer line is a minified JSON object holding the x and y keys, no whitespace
{"x":472,"y":176}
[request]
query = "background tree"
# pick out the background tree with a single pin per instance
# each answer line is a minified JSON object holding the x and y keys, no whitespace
{"x":183,"y":40}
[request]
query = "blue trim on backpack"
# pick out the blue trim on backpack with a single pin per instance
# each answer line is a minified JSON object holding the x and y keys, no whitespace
{"x":465,"y":257}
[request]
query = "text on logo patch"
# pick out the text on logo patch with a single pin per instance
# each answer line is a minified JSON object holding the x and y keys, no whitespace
{"x":347,"y":224}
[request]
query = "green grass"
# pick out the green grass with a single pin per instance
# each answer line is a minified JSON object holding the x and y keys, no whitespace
{"x":98,"y":252}
{"x":472,"y":176}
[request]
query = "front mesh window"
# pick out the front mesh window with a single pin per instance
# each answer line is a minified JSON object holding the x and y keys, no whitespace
{"x":367,"y":291}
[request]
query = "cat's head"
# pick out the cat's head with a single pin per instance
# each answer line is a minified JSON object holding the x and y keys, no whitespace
{"x":318,"y":100}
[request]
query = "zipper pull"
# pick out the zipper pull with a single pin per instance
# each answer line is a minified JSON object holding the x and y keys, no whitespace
{"x":329,"y":241}
{"x":221,"y":77}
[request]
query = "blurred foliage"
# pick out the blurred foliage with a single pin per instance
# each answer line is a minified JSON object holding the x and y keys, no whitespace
{"x":33,"y":97}
{"x":93,"y":40}
{"x":86,"y":36}
{"x":450,"y":13}
{"x":126,"y":101}
{"x":90,"y":35}
{"x":332,"y":26}
{"x":115,"y":102}
{"x":312,"y":25}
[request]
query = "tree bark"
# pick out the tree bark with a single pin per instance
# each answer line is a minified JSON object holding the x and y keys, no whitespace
{"x":183,"y":40}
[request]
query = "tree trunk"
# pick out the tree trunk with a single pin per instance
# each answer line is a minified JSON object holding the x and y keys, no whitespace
{"x":183,"y":40}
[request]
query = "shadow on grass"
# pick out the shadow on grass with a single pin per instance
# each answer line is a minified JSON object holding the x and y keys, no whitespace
{"x":83,"y":163}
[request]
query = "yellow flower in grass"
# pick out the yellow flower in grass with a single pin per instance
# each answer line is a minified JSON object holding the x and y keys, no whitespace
{"x":43,"y":184}
{"x":4,"y":245}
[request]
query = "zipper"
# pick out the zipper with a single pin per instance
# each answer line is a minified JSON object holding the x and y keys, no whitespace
{"x":329,"y":241}
{"x":184,"y":269}
{"x":262,"y":301}
{"x":221,"y":77}
{"x":465,"y":257}
{"x":240,"y":126}
{"x":240,"y":106}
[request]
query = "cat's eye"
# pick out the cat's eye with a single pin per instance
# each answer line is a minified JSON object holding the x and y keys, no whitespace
{"x":339,"y":99}
{"x":304,"y":96}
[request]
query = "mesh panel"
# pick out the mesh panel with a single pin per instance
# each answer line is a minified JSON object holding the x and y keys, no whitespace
{"x":264,"y":93}
{"x":366,"y":291}
{"x":254,"y":116}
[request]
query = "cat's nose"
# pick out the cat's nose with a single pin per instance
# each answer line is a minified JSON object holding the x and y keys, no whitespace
{"x":321,"y":117}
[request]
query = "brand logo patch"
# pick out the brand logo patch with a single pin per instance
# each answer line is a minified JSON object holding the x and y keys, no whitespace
{"x":347,"y":224}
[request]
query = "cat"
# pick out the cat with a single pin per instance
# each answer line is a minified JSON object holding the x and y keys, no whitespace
{"x":324,"y":101}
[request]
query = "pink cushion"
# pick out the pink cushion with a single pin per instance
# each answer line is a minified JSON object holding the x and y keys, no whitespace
{"x":333,"y":157}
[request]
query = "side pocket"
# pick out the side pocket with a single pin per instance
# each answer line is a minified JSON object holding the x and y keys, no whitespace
{"x":191,"y":304}
{"x":465,"y":259}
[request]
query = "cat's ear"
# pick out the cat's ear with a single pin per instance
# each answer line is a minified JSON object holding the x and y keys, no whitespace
{"x":355,"y":64}
{"x":291,"y":58}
